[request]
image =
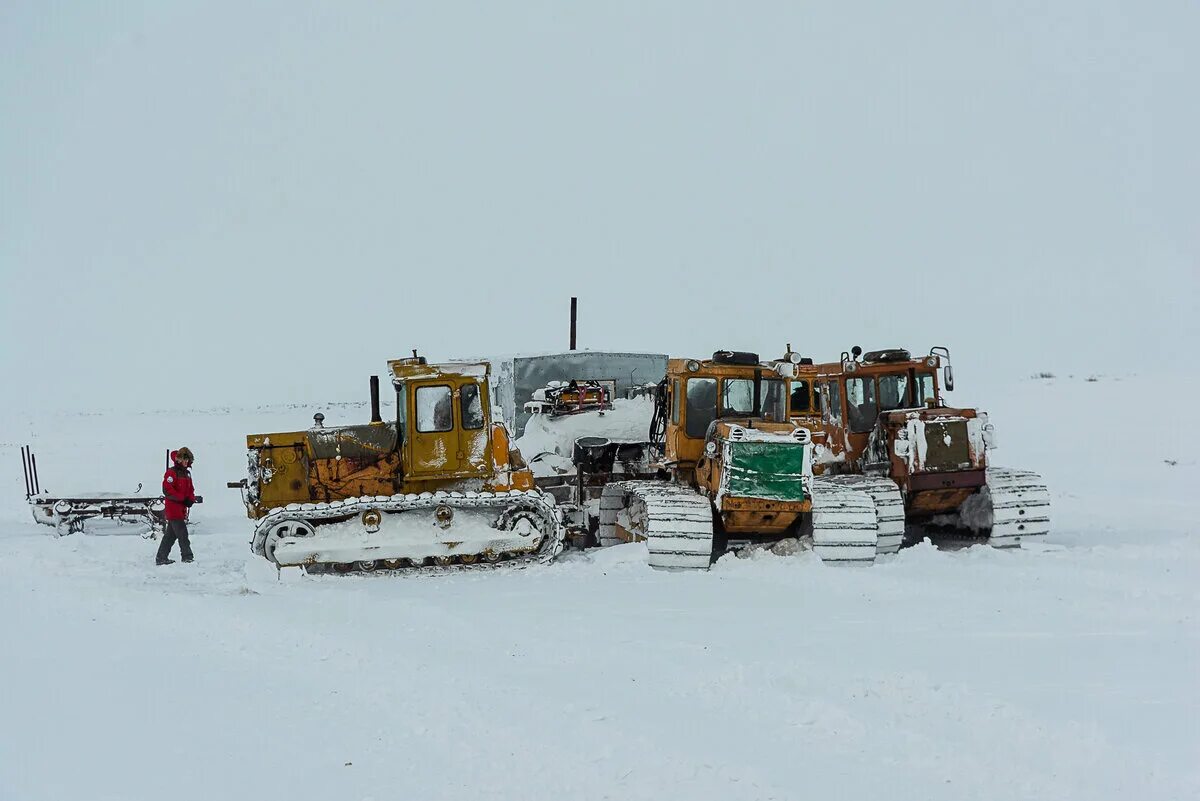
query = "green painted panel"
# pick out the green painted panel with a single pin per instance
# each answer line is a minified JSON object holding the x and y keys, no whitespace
{"x":769,"y":470}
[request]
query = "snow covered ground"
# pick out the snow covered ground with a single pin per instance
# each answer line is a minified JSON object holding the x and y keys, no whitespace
{"x":1065,"y":670}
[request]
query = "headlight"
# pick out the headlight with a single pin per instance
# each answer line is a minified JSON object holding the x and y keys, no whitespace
{"x":710,"y":448}
{"x":693,"y":365}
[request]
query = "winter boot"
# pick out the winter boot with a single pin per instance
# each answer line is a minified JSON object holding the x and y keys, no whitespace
{"x":164,"y":561}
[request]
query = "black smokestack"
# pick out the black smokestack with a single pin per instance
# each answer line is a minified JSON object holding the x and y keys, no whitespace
{"x":375,"y":417}
{"x":574,"y":309}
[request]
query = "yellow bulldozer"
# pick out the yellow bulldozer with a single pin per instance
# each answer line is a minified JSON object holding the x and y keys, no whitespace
{"x":437,"y":487}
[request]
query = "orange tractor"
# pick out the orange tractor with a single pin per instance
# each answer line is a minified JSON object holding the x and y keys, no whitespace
{"x":881,"y":425}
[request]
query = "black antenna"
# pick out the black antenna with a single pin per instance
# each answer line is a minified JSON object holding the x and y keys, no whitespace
{"x":37,"y":488}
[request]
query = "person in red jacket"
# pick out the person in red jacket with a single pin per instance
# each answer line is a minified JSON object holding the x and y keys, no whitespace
{"x":179,"y":495}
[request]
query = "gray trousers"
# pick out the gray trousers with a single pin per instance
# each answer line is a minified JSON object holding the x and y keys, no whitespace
{"x":176,"y":530}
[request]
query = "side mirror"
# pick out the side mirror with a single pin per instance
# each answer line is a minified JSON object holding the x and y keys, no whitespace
{"x":948,"y":378}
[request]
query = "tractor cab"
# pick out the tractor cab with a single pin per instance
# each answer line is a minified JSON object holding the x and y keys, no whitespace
{"x":446,"y":427}
{"x":884,"y":412}
{"x":725,"y":430}
{"x":732,"y":387}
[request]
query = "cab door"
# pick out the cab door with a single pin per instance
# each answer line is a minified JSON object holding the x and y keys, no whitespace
{"x":448,"y":434}
{"x":433,"y":437}
{"x":474,"y":437}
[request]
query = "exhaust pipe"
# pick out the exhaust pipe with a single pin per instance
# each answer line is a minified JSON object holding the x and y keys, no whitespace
{"x":25,"y":468}
{"x":375,"y":416}
{"x":574,"y":310}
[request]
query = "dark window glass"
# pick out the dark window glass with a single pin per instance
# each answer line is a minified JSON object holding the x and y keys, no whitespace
{"x":434,"y":409}
{"x":860,"y":404}
{"x":472,"y":406}
{"x":893,"y":392}
{"x":676,"y":397}
{"x":801,"y":397}
{"x":701,"y":406}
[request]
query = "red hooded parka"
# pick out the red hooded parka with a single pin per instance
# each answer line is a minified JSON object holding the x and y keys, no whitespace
{"x":177,"y":488}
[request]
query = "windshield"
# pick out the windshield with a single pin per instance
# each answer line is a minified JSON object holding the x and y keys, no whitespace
{"x":737,"y":399}
{"x":860,"y":404}
{"x":893,"y":392}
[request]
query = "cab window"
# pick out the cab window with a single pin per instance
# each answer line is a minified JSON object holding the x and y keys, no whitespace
{"x":701,"y":407}
{"x":861,"y":404}
{"x":801,"y":397}
{"x":737,"y":397}
{"x":831,"y":399}
{"x":774,"y":400}
{"x":676,"y":397}
{"x":893,"y":392}
{"x":924,"y":387}
{"x":434,"y":412}
{"x":471,"y":406}
{"x":402,"y":407}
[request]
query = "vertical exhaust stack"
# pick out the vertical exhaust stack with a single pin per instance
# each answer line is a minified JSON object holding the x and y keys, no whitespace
{"x":25,"y":468}
{"x":574,"y":309}
{"x":375,"y":416}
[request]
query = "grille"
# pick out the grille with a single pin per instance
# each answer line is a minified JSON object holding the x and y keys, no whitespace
{"x":946,"y":446}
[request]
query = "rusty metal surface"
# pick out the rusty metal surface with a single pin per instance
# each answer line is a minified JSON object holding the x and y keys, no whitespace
{"x":321,"y":465}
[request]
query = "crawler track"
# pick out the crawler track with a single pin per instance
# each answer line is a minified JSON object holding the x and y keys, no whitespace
{"x":845,"y":523}
{"x":675,"y":521}
{"x":528,"y":530}
{"x":1020,"y":506}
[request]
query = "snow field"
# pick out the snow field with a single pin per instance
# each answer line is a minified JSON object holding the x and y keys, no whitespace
{"x":1065,"y":670}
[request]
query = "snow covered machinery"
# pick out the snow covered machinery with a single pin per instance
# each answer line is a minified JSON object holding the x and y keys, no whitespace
{"x":882,"y":426}
{"x":735,"y":471}
{"x":573,"y":397}
{"x":69,"y":513}
{"x":436,"y":488}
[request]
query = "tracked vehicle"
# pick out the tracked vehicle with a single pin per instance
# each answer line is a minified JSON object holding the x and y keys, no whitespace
{"x":884,"y":428}
{"x":733,"y":470}
{"x":436,"y":488}
{"x":573,"y":397}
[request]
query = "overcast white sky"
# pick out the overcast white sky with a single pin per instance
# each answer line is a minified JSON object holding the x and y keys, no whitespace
{"x":240,"y":202}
